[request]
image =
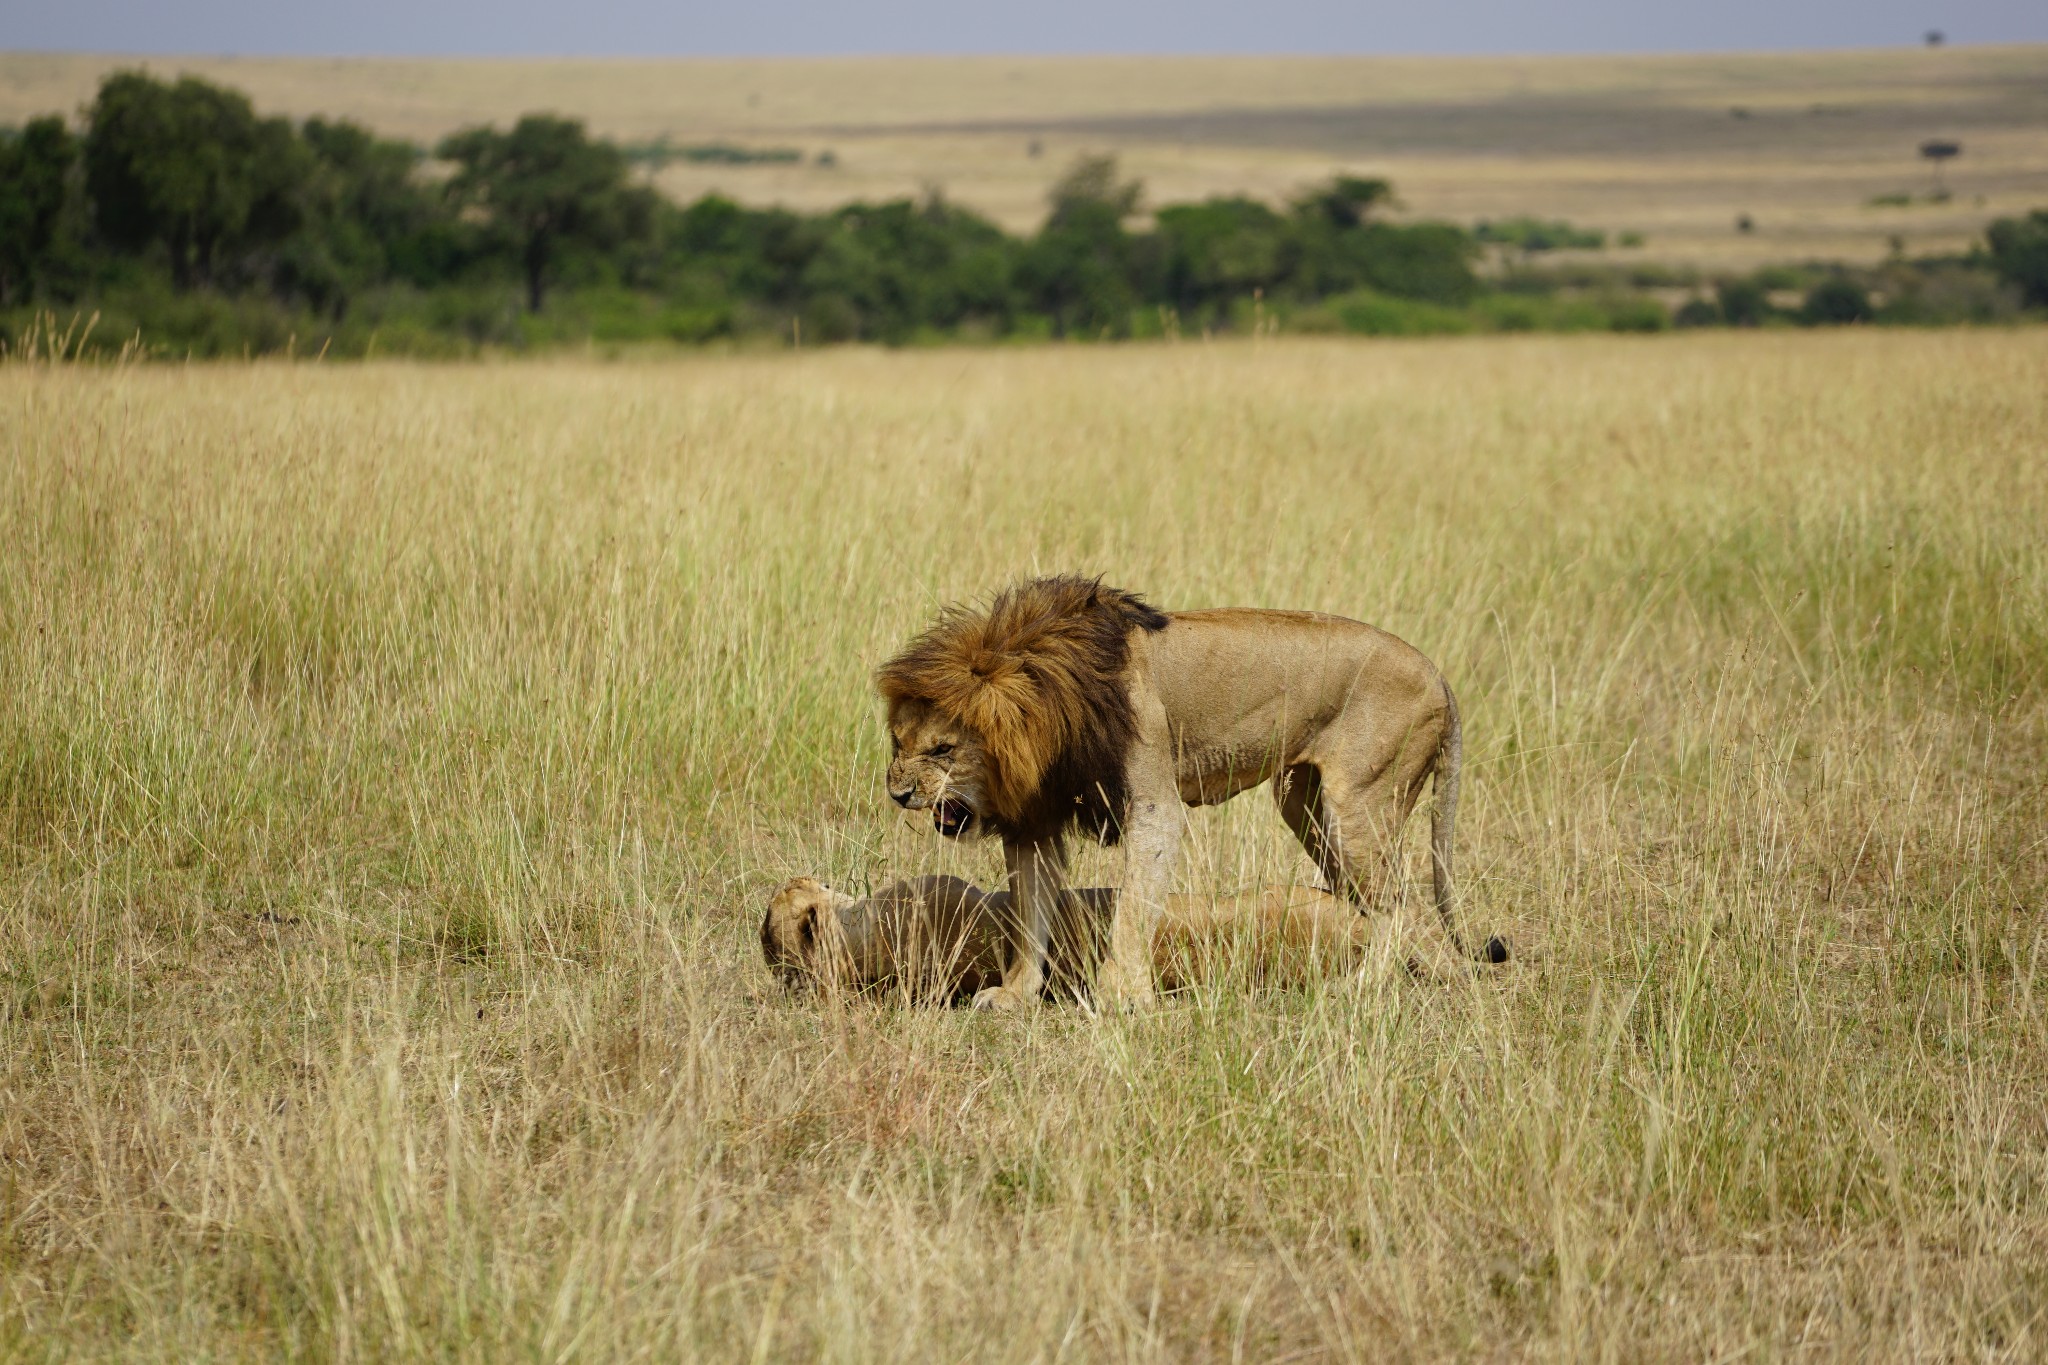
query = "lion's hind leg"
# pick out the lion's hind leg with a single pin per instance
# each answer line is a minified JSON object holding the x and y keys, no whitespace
{"x":1347,"y":837}
{"x":1298,"y":792}
{"x":1353,"y":832}
{"x":1364,"y":827}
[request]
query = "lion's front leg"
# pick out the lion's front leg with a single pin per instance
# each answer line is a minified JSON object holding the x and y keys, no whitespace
{"x":1151,"y":838}
{"x":1038,"y":876}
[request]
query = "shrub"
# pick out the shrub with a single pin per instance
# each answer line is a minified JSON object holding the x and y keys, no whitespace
{"x":1538,"y":234}
{"x":1367,"y":313}
{"x":1949,"y":293}
{"x":1637,"y":314}
{"x":1219,"y":250}
{"x":1836,"y":302}
{"x":1425,"y":261}
{"x":1698,"y":313}
{"x":1743,"y":303}
{"x":2019,"y":253}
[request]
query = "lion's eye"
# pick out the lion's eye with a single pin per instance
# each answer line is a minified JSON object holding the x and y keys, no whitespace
{"x":940,"y":750}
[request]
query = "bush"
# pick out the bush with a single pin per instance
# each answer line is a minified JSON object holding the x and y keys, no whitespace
{"x":1652,"y":275}
{"x":1637,"y":314}
{"x":2019,"y":253}
{"x":1538,"y":234}
{"x":1836,"y":302}
{"x":1366,"y":313}
{"x":1219,"y":250}
{"x":1698,"y":313}
{"x":1772,"y":277}
{"x":1743,"y":303}
{"x":1949,"y":293}
{"x":1425,"y":261}
{"x":1602,"y":311}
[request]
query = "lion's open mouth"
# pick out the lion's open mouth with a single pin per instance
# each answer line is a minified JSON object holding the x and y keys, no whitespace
{"x":952,"y":816}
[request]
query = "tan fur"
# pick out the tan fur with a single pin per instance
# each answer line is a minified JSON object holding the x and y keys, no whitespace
{"x":935,"y":939}
{"x":1097,"y":698}
{"x":930,"y":938}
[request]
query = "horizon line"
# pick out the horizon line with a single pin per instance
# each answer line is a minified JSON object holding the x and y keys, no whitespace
{"x":1560,"y":54}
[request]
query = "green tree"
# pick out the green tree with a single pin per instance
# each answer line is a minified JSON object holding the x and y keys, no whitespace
{"x":190,"y":167}
{"x":368,"y":218}
{"x":35,"y":184}
{"x":1340,"y":246}
{"x":2019,"y":254}
{"x":1835,"y":302}
{"x":1743,"y":303}
{"x":1079,"y":269}
{"x":886,"y":270}
{"x":1219,"y":250}
{"x":547,"y":188}
{"x":1091,"y":187}
{"x":1344,"y":201}
{"x":718,"y":250}
{"x":1429,"y":261}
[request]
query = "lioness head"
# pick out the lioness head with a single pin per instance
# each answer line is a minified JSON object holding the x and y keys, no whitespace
{"x":939,"y":765}
{"x":801,"y":937}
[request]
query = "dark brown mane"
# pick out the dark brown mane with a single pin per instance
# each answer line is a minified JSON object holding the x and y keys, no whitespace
{"x":1038,"y":675}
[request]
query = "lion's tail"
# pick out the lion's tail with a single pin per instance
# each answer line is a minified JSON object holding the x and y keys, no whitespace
{"x":1450,"y":759}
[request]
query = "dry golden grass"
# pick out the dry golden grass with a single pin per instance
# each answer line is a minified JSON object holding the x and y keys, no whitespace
{"x":393,"y":761}
{"x":1644,"y":143}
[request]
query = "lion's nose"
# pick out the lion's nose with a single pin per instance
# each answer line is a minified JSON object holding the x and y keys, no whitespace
{"x":901,"y":798}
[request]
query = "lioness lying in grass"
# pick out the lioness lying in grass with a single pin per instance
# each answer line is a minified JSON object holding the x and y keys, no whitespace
{"x":939,"y":938}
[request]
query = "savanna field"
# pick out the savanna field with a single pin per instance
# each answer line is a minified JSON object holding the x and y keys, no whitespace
{"x":395,"y":760}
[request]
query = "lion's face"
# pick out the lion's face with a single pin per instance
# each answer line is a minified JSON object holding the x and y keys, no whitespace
{"x":802,"y":936}
{"x":938,"y":765}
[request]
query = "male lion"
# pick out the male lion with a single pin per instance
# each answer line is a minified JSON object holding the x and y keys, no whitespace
{"x":1068,"y":703}
{"x":940,"y":939}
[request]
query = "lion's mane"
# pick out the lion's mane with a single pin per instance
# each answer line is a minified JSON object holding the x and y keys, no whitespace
{"x":1038,"y":675}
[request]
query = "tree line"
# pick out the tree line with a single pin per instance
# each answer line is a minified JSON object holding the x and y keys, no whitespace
{"x":179,"y":202}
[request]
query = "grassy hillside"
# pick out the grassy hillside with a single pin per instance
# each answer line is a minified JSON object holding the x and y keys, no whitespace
{"x":1673,"y":147}
{"x":394,"y":760}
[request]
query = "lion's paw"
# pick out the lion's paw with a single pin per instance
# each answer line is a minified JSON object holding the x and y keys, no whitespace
{"x":1117,"y":989}
{"x":1004,"y":998}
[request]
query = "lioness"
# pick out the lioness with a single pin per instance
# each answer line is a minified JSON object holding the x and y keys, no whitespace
{"x":1066,"y":703}
{"x":934,"y":938}
{"x":942,"y":939}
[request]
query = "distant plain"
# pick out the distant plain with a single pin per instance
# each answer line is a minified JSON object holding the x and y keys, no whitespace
{"x":1675,"y":148}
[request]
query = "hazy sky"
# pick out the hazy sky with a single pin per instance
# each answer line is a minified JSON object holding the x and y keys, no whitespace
{"x":807,"y":27}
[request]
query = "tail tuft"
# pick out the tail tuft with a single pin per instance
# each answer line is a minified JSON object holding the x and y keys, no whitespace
{"x":1495,"y":951}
